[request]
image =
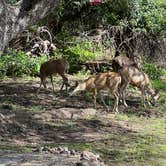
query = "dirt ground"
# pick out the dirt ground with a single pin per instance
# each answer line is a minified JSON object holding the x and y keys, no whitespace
{"x":47,"y":118}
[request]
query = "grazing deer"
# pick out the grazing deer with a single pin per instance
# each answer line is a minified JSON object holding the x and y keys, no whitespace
{"x":101,"y":81}
{"x":52,"y":67}
{"x":132,"y":75}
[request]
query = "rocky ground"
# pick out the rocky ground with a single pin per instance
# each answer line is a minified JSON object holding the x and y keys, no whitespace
{"x":43,"y":156}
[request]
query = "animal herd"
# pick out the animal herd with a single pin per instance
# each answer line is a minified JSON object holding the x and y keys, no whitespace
{"x":115,"y":82}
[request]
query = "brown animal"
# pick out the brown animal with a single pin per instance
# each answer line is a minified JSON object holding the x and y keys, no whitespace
{"x":102,"y":81}
{"x":132,"y":75}
{"x":120,"y":61}
{"x":52,"y":67}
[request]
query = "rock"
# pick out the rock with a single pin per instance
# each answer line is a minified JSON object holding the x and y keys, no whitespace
{"x":90,"y":159}
{"x":73,"y":113}
{"x":73,"y":152}
{"x":88,"y":112}
{"x":2,"y":116}
{"x":49,"y":156}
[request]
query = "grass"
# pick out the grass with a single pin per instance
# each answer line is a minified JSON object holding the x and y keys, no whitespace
{"x":161,"y":85}
{"x":132,"y":140}
{"x":144,"y":145}
{"x":132,"y":150}
{"x":14,"y":148}
{"x":158,"y":84}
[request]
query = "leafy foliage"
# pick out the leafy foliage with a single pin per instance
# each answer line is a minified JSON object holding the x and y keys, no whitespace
{"x":148,"y":15}
{"x":18,"y":64}
{"x":152,"y":70}
{"x":12,"y":1}
{"x":79,"y":53}
{"x":144,"y":14}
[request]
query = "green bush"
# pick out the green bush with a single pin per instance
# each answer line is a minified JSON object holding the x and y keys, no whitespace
{"x":78,"y":54}
{"x":148,"y":14}
{"x":18,"y":64}
{"x":152,"y":70}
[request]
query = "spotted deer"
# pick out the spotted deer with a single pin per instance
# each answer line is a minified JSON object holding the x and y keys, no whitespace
{"x":132,"y":75}
{"x":102,"y":81}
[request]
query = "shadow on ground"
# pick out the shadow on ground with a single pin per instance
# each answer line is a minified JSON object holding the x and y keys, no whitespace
{"x":27,"y":117}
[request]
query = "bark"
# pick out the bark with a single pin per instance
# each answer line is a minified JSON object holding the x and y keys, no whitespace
{"x":16,"y":18}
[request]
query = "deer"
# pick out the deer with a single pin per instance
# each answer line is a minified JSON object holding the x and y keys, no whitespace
{"x":101,"y":81}
{"x":53,"y":67}
{"x":132,"y":75}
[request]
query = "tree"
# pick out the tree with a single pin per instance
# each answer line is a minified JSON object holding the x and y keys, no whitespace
{"x":15,"y":18}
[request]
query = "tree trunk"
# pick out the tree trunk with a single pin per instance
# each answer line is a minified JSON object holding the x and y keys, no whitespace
{"x":16,"y":18}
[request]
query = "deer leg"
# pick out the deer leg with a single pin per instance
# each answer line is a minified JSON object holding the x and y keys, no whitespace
{"x":63,"y":77}
{"x":52,"y":82}
{"x":38,"y":89}
{"x":116,"y":102}
{"x":123,"y":99}
{"x":95,"y":105}
{"x":65,"y":82}
{"x":94,"y":98}
{"x":123,"y":95}
{"x":102,"y":99}
{"x":143,"y":97}
{"x":62,"y":86}
{"x":42,"y":81}
{"x":147,"y":99}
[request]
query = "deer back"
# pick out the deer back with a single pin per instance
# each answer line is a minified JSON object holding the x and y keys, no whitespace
{"x":100,"y":81}
{"x":107,"y":80}
{"x":113,"y":80}
{"x":53,"y":66}
{"x":134,"y":76}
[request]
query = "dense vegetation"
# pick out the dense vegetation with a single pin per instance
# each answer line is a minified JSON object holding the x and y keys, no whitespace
{"x":75,"y":27}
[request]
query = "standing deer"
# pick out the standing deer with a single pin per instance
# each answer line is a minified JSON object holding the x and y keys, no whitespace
{"x":132,"y":75}
{"x":52,"y":67}
{"x":102,"y":81}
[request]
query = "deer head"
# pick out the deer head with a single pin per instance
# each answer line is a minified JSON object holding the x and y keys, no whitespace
{"x":78,"y":87}
{"x":155,"y":97}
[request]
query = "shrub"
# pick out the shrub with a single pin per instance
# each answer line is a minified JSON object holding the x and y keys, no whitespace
{"x":18,"y":64}
{"x":152,"y":70}
{"x":78,"y":54}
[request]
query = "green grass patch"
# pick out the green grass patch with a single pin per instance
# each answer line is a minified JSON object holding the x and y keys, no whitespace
{"x":161,"y":85}
{"x":14,"y":148}
{"x":125,"y":149}
{"x":158,"y":84}
{"x":122,"y":149}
